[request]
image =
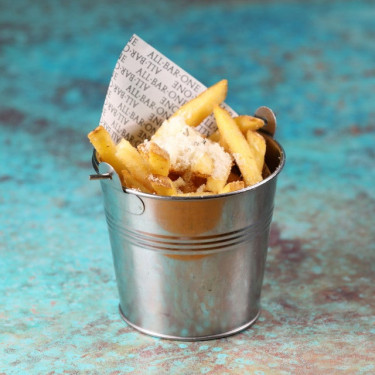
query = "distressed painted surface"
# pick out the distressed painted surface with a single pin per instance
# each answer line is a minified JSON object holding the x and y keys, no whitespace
{"x":313,"y":63}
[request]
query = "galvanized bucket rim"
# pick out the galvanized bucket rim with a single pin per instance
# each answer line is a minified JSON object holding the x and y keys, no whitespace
{"x":138,"y":193}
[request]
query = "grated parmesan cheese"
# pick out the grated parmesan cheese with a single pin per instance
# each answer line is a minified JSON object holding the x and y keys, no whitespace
{"x":184,"y":145}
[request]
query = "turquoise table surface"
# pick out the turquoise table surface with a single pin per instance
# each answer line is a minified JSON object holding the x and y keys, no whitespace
{"x":313,"y":62}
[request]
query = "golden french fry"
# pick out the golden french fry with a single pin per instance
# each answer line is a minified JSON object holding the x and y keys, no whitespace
{"x":203,"y":166}
{"x":132,"y":183}
{"x":238,"y":145}
{"x":224,"y":144}
{"x":162,"y":185}
{"x":157,"y":158}
{"x":106,"y":148}
{"x":143,"y":151}
{"x":179,"y":183}
{"x":134,"y":162}
{"x":232,"y":186}
{"x":258,"y":145}
{"x":215,"y":185}
{"x":189,"y":184}
{"x":215,"y":136}
{"x":197,"y":109}
{"x":246,"y":123}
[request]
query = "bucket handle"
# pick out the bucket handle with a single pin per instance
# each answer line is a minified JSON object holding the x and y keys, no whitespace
{"x":266,"y":114}
{"x":104,"y":171}
{"x":104,"y":176}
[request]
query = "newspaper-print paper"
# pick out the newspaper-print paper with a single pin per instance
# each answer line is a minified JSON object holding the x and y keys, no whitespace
{"x":145,"y":89}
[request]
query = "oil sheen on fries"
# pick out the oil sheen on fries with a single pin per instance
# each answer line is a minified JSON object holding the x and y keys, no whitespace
{"x":180,"y":161}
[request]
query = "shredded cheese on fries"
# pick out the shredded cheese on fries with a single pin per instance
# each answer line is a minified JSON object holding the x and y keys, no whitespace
{"x":180,"y":161}
{"x":185,"y":145}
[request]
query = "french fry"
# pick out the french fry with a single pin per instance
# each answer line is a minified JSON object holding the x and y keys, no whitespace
{"x":162,"y":185}
{"x":134,"y":162}
{"x":132,"y":183}
{"x":238,"y":145}
{"x":216,"y":137}
{"x":157,"y":158}
{"x":189,"y":183}
{"x":179,"y":183}
{"x":246,"y":123}
{"x":197,"y":109}
{"x":232,"y":186}
{"x":215,"y":185}
{"x":258,"y":145}
{"x":106,"y":148}
{"x":203,"y":166}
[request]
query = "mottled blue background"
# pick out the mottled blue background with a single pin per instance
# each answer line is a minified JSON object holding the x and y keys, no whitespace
{"x":313,"y":62}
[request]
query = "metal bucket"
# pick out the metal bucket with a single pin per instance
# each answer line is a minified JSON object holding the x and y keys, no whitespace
{"x":190,"y":268}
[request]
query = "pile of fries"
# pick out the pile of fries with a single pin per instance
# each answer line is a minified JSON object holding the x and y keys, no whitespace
{"x":180,"y":161}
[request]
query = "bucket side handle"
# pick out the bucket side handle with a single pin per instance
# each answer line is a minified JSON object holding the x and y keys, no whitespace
{"x":105,"y":171}
{"x":101,"y":176}
{"x":269,"y":118}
